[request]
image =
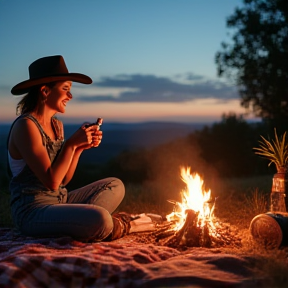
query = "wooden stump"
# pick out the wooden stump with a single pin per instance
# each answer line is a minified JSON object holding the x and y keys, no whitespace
{"x":270,"y":230}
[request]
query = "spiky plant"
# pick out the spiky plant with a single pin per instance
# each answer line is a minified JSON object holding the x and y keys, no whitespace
{"x":275,"y":150}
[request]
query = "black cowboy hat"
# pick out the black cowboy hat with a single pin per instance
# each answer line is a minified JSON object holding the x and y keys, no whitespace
{"x":48,"y":69}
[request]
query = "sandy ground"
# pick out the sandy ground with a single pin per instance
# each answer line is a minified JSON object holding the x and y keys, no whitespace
{"x":132,"y":261}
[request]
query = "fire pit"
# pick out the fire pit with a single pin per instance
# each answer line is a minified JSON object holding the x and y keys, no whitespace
{"x":192,"y":222}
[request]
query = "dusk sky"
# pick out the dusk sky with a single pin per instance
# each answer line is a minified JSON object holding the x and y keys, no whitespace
{"x":150,"y":60}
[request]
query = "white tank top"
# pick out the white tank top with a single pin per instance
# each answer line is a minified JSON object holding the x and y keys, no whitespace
{"x":16,"y":165}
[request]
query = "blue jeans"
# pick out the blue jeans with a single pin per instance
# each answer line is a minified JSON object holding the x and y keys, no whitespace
{"x":86,"y":216}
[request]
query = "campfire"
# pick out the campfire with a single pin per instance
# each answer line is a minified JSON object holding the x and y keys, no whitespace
{"x":192,"y":222}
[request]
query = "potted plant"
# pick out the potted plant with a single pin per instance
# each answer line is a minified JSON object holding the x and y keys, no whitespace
{"x":277,"y":152}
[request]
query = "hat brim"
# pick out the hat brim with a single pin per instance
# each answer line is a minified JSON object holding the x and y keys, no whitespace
{"x":24,"y":87}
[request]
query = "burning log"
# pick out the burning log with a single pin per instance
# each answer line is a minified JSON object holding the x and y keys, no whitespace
{"x":164,"y":234}
{"x":190,"y":234}
{"x":206,"y":239}
{"x":162,"y":231}
{"x":176,"y":239}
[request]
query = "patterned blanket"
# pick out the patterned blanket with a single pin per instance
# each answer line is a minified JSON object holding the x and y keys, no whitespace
{"x":126,"y":262}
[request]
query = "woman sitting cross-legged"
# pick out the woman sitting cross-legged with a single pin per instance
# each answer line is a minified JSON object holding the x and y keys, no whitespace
{"x":42,"y":163}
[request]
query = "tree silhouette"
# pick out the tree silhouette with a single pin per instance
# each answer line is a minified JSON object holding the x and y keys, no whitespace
{"x":227,"y":146}
{"x":257,"y":58}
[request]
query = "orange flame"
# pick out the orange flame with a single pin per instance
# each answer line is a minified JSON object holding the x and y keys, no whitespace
{"x":194,"y":198}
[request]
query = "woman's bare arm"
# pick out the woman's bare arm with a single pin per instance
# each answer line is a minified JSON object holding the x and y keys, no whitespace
{"x":26,"y":140}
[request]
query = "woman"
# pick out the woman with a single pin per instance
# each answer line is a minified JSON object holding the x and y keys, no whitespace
{"x":41,"y":163}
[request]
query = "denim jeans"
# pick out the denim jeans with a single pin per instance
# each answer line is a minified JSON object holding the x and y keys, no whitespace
{"x":86,"y":216}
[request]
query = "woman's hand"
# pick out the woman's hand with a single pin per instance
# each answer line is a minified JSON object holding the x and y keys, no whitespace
{"x":92,"y":136}
{"x":96,"y":136}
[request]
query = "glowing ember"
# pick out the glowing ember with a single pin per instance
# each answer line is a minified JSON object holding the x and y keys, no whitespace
{"x":193,"y":198}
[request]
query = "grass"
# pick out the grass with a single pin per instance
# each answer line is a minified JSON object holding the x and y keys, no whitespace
{"x":240,"y":200}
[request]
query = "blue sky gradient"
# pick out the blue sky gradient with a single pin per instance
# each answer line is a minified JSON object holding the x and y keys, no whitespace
{"x":150,"y":60}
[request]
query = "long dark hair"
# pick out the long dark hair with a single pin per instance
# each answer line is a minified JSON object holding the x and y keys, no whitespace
{"x":29,"y":102}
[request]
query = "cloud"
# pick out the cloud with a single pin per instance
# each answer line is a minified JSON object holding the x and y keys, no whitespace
{"x":151,"y":88}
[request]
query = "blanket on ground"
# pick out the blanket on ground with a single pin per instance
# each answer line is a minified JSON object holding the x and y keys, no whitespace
{"x":126,"y":262}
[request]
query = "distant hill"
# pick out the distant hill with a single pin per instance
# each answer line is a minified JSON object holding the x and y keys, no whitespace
{"x":118,"y":137}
